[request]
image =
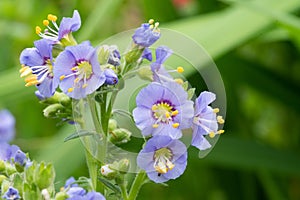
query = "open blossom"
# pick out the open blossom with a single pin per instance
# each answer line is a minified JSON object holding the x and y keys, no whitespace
{"x":11,"y":194}
{"x":37,"y":67}
{"x":163,"y":158}
{"x":205,"y":120}
{"x":78,"y":71}
{"x":76,"y":192}
{"x":7,"y":126}
{"x":146,"y":34}
{"x":159,"y":72}
{"x":7,"y":152}
{"x":57,"y":33}
{"x":163,"y":109}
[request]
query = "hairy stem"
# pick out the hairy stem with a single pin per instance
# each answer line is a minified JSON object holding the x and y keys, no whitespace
{"x":136,"y":185}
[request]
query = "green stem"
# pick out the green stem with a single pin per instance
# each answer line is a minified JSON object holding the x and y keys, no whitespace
{"x":92,"y":163}
{"x":136,"y":185}
{"x":124,"y":191}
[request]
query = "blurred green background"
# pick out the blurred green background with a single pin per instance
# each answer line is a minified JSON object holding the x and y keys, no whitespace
{"x":255,"y":45}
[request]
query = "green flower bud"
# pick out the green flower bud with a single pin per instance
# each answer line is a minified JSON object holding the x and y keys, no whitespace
{"x":44,"y":175}
{"x":29,"y":173}
{"x":124,"y":165}
{"x":51,"y":110}
{"x":2,"y":178}
{"x":58,"y":97}
{"x":112,"y":124}
{"x":119,"y":136}
{"x":103,"y":54}
{"x":10,"y":169}
{"x":134,"y":54}
{"x":61,"y":196}
{"x":5,"y":185}
{"x":30,"y":191}
{"x":2,"y":166}
{"x":145,"y":73}
{"x":108,"y":172}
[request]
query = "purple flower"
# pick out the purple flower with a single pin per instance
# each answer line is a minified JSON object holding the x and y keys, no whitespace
{"x":147,"y":54}
{"x":7,"y":126}
{"x":37,"y":67}
{"x":147,"y":34}
{"x":11,"y":194}
{"x":76,"y":192}
{"x":110,"y":77}
{"x":56,"y":34}
{"x":7,"y":152}
{"x":163,"y":109}
{"x":78,"y":70}
{"x":70,"y":182}
{"x":163,"y":158}
{"x":114,"y":56}
{"x":94,"y":196}
{"x":205,"y":120}
{"x":21,"y":158}
{"x":160,"y":74}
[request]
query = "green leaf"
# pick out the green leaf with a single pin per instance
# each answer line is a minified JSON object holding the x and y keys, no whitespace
{"x":78,"y":134}
{"x":111,"y":186}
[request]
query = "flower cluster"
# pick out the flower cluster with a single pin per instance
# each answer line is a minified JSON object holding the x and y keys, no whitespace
{"x":164,"y":109}
{"x":21,"y":178}
{"x":63,"y":70}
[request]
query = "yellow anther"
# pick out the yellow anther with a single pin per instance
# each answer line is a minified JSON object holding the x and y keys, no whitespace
{"x":167,"y":114}
{"x":211,"y":134}
{"x":52,"y":17}
{"x":46,"y":22}
{"x":38,"y":30}
{"x":26,"y":72}
{"x":62,"y":77}
{"x":155,"y":125}
{"x":161,"y":170}
{"x":151,"y":21}
{"x":220,"y":120}
{"x":220,"y":131}
{"x":74,"y":68}
{"x":156,"y":24}
{"x":76,"y":80}
{"x":32,"y":83}
{"x":31,"y":78}
{"x":175,"y":112}
{"x":70,"y":90}
{"x":180,"y":69}
{"x":151,"y":26}
{"x":84,"y":85}
{"x":154,"y":107}
{"x":175,"y":125}
{"x":216,"y":110}
{"x":23,"y":68}
{"x":178,"y":80}
{"x":170,"y":165}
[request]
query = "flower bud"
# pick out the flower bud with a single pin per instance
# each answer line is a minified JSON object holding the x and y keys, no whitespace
{"x":110,"y":77}
{"x":2,"y":178}
{"x":124,"y":165}
{"x":145,"y":73}
{"x":119,"y":136}
{"x":51,"y":110}
{"x":2,"y":166}
{"x":20,"y":160}
{"x":44,"y":175}
{"x":61,"y":196}
{"x":112,"y":125}
{"x":58,"y":97}
{"x":103,"y":54}
{"x":107,"y":172}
